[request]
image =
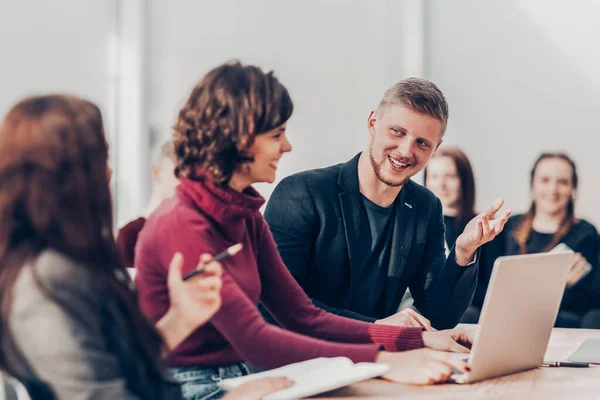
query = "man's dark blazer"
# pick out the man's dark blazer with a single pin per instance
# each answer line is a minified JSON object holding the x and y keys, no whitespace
{"x":318,"y":222}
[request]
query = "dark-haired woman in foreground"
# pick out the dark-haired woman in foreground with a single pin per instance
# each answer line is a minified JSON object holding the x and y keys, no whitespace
{"x":70,"y":324}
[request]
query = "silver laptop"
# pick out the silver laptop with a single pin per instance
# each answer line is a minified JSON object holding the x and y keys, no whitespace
{"x":519,"y":311}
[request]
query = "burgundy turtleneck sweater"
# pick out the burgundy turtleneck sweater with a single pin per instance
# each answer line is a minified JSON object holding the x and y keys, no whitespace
{"x":203,"y":218}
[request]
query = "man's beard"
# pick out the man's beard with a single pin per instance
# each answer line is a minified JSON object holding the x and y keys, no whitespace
{"x":379,"y":175}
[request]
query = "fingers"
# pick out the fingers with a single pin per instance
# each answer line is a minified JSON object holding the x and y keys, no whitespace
{"x":450,"y":360}
{"x":460,"y":335}
{"x":260,"y":388}
{"x":498,"y":223}
{"x":208,"y":266}
{"x":580,"y":265}
{"x":204,"y":259}
{"x":485,"y":227}
{"x":175,"y":268}
{"x":577,"y":270}
{"x":457,"y":348}
{"x":496,"y":205}
{"x":414,"y":319}
{"x":575,"y":260}
{"x":213,"y":269}
{"x":437,"y":372}
{"x":424,"y":322}
{"x":505,"y":215}
{"x":479,"y":229}
{"x":275,"y":384}
{"x":466,"y":337}
{"x":412,"y":322}
{"x":455,"y":363}
{"x":209,"y":284}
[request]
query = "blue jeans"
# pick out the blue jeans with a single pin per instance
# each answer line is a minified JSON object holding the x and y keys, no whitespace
{"x":203,"y":383}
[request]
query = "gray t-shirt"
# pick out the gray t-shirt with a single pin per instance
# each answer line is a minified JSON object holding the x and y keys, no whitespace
{"x":374,"y":273}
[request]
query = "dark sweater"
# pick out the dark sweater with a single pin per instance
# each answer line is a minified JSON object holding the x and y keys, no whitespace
{"x":582,"y":238}
{"x":127,"y":238}
{"x":203,"y":218}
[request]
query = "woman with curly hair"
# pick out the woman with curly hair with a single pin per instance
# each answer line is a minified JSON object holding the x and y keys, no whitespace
{"x":70,"y":325}
{"x":230,"y":134}
{"x":551,"y":220}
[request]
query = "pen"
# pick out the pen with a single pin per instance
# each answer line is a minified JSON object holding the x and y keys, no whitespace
{"x":230,"y":251}
{"x":570,"y":364}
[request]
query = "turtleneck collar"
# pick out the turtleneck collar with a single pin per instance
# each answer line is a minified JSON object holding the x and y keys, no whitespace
{"x":223,"y":204}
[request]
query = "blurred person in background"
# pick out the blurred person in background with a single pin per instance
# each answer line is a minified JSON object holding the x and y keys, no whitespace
{"x":164,"y":183}
{"x":551,"y":220}
{"x":450,"y":177}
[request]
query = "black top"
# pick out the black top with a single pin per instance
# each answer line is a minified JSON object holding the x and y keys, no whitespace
{"x":452,"y":230}
{"x":322,"y":231}
{"x":538,"y":241}
{"x":378,"y":219}
{"x":582,"y":238}
{"x":373,"y":273}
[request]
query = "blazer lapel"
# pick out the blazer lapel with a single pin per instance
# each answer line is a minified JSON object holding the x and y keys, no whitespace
{"x":355,"y":223}
{"x":404,"y":227}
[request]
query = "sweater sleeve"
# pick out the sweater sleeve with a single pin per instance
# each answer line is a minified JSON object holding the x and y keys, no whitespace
{"x":287,"y":302}
{"x":269,"y":346}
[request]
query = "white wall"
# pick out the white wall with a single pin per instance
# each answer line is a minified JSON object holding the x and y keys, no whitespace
{"x":521,"y":77}
{"x":62,"y":46}
{"x":336,"y":57}
{"x":55,"y":46}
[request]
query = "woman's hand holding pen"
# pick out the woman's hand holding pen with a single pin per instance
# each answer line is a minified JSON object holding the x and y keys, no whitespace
{"x":193,"y":302}
{"x":199,"y":298}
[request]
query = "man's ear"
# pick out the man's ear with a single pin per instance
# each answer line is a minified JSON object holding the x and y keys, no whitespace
{"x":371,"y":121}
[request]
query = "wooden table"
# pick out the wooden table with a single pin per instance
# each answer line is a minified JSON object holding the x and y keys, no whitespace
{"x":541,"y":383}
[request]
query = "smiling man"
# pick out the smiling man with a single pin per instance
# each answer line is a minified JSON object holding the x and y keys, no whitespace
{"x":357,"y":235}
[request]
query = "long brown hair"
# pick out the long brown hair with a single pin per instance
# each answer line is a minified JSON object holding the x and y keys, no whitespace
{"x":525,"y":226}
{"x":466,"y":209}
{"x":225,"y":111}
{"x":54,"y":194}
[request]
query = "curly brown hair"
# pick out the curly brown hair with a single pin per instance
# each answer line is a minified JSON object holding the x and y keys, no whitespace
{"x":225,"y":111}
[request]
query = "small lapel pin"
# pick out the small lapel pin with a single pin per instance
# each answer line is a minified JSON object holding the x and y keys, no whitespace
{"x":407,"y":205}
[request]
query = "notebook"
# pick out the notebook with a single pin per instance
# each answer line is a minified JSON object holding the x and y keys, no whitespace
{"x":588,"y":352}
{"x":314,"y":376}
{"x":563,"y":247}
